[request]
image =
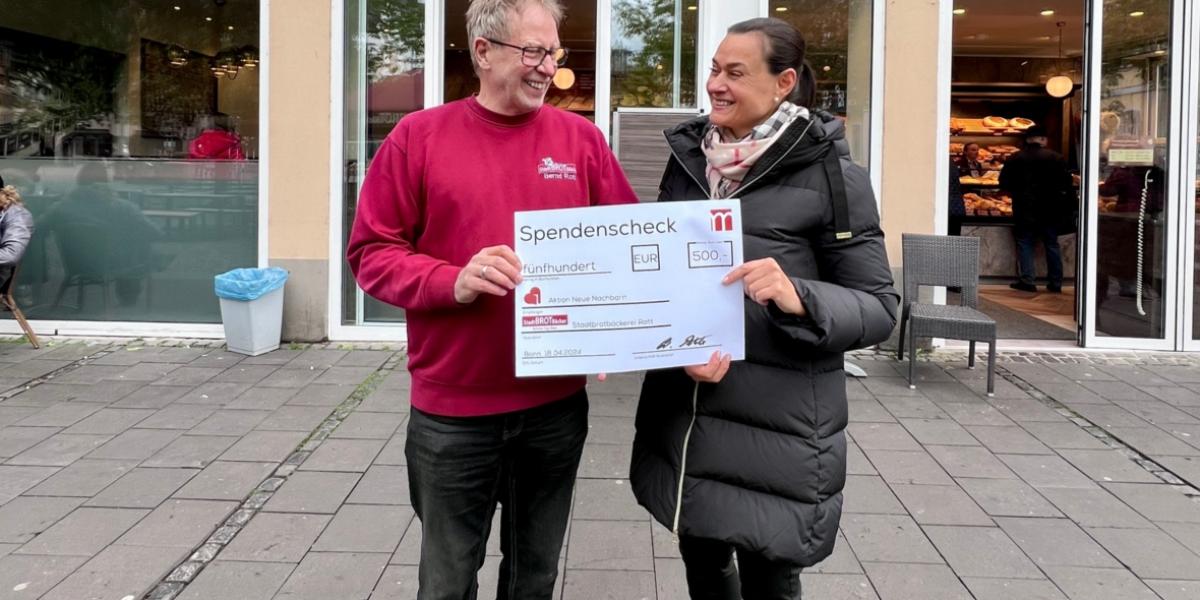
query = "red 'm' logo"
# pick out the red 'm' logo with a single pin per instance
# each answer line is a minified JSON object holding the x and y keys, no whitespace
{"x":722,"y":219}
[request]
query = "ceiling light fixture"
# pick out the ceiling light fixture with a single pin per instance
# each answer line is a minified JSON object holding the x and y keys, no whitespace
{"x":209,"y":19}
{"x":780,"y":9}
{"x":960,"y":11}
{"x":1138,"y":13}
{"x":691,"y":8}
{"x":1060,"y":86}
{"x":1047,"y":13}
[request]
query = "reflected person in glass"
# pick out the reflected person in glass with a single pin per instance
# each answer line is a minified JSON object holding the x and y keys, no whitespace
{"x":16,"y":229}
{"x":749,"y":457}
{"x":433,"y":234}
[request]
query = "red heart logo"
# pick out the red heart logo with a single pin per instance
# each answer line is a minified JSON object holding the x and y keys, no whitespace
{"x":534,"y":296}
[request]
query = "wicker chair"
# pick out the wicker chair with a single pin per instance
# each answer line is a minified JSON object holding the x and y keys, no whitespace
{"x":951,"y":261}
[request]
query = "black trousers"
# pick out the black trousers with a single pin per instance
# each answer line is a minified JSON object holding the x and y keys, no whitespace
{"x":712,"y":574}
{"x":459,"y":468}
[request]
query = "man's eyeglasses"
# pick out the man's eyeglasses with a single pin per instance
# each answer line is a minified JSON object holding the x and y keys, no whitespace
{"x":532,"y":56}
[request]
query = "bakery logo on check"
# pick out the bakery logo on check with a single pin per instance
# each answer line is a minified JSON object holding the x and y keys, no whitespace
{"x":543,"y":320}
{"x":722,"y":219}
{"x":549,"y":169}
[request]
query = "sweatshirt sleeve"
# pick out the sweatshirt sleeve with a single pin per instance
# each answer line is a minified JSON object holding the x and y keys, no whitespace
{"x":387,"y":225}
{"x":613,"y":187}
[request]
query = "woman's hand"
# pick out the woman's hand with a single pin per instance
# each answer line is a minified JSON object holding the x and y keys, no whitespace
{"x":764,"y":281}
{"x":495,"y":270}
{"x":711,"y":372}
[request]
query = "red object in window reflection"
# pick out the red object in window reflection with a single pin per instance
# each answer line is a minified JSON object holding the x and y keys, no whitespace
{"x":217,"y":144}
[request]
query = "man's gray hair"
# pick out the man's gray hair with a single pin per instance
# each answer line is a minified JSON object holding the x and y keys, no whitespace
{"x":490,"y":18}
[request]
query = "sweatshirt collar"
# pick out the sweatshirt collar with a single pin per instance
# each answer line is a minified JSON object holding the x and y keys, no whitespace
{"x":498,"y":119}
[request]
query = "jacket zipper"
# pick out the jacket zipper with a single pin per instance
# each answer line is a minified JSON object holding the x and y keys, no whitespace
{"x":683,"y":464}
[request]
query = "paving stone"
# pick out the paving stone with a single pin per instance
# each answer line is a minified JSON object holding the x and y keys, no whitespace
{"x":409,"y":550}
{"x":1062,"y":436}
{"x":891,"y":386}
{"x":84,"y":532}
{"x":146,"y":372}
{"x":939,"y":431}
{"x":90,"y":374}
{"x":888,"y":538}
{"x":30,"y":576}
{"x":317,"y":358}
{"x":608,"y":585}
{"x":1046,"y":471}
{"x":868,"y":494}
{"x":189,"y":375}
{"x":334,"y":575}
{"x":252,"y":580}
{"x":975,"y":413}
{"x":63,"y":414}
{"x":274,"y":357}
{"x":1176,"y":590}
{"x":1187,"y":534}
{"x":276,"y":537}
{"x":1086,"y":582}
{"x":214,"y":394}
{"x":1094,"y":508}
{"x":264,"y":446}
{"x":1186,"y":467}
{"x":382,"y":400}
{"x":217,"y":358}
{"x":365,"y":528}
{"x":1152,"y":441}
{"x":382,"y":485}
{"x":399,"y":582}
{"x":223,"y":480}
{"x":1108,"y":415}
{"x":83,"y":478}
{"x":110,"y":421}
{"x":245,"y":373}
{"x":260,"y":398}
{"x":671,"y":579}
{"x":15,"y":440}
{"x":1080,"y":372}
{"x":118,"y":572}
{"x":156,"y":396}
{"x":343,"y":455}
{"x":610,"y":430}
{"x":1056,"y":543}
{"x":178,"y":416}
{"x":604,"y":545}
{"x":1007,"y":440}
{"x":856,"y":461}
{"x":312,"y":492}
{"x":1027,"y":410}
{"x":393,"y":451}
{"x":10,"y":415}
{"x":1108,"y":465}
{"x":24,"y":517}
{"x":1157,"y":412}
{"x":136,"y":444}
{"x":290,"y":378}
{"x":940,"y":505}
{"x":1174,"y":395}
{"x":915,"y":582}
{"x":1036,"y":374}
{"x":1008,"y":497}
{"x":191,"y":451}
{"x":883,"y":436}
{"x":841,"y":561}
{"x":142,"y":488}
{"x":970,"y":461}
{"x":368,"y":425}
{"x":1010,"y":589}
{"x":15,"y":480}
{"x":294,"y":418}
{"x":843,"y":587}
{"x":59,"y":450}
{"x":33,"y":369}
{"x":344,"y":375}
{"x":364,"y":358}
{"x":907,"y":407}
{"x":230,"y":422}
{"x":981,"y":552}
{"x":603,"y":461}
{"x":908,"y":467}
{"x":606,"y":500}
{"x":1157,"y":502}
{"x":870,"y":410}
{"x":316,"y":394}
{"x":179,"y":524}
{"x":1115,"y":390}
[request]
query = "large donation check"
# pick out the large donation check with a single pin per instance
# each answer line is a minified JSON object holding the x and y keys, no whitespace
{"x":624,"y":288}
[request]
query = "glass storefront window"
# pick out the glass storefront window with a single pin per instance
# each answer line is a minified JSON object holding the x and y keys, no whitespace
{"x":1135,"y":109}
{"x":130,"y":129}
{"x":839,"y":35}
{"x":653,"y":53}
{"x":384,"y":80}
{"x":1196,"y":238}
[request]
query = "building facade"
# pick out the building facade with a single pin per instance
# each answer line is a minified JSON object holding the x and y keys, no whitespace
{"x":160,"y":143}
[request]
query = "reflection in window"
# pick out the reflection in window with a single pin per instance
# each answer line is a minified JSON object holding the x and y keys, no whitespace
{"x":654,"y":53}
{"x":1196,"y":242}
{"x":838,"y":33}
{"x":131,"y":131}
{"x":384,"y":80}
{"x":1135,"y":105}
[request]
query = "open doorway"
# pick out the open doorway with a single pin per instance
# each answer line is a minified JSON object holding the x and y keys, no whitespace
{"x":1017,"y":79}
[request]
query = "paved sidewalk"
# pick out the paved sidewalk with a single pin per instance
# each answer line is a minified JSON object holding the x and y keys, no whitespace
{"x":166,"y":471}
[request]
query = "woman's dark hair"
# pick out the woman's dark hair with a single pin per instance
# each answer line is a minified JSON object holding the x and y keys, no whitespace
{"x":785,"y":49}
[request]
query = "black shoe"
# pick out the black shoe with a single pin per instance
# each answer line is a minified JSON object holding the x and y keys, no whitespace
{"x":1022,"y":286}
{"x":1054,"y":289}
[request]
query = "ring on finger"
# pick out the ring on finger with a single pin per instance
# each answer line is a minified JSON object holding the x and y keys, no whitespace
{"x":483,"y":271}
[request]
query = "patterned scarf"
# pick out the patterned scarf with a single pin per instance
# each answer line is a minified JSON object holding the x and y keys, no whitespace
{"x":730,"y":159}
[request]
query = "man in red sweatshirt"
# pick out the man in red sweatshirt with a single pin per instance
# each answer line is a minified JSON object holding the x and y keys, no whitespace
{"x":433,"y":235}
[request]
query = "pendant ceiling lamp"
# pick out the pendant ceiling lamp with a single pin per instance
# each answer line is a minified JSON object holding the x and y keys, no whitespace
{"x":1060,"y":86}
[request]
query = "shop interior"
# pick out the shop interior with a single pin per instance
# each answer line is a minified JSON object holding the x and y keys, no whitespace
{"x":1017,"y":66}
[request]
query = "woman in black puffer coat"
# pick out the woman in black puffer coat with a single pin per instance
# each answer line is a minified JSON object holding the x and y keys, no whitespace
{"x":751,"y":456}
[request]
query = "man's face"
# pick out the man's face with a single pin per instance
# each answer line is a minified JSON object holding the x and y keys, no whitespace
{"x":972,"y":152}
{"x":511,"y":86}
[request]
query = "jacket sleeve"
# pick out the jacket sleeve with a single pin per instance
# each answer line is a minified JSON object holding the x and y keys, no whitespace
{"x":382,"y":249}
{"x":18,"y":229}
{"x":853,"y":305}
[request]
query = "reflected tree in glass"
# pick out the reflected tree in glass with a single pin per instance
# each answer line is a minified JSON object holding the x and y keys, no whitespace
{"x":643,"y":54}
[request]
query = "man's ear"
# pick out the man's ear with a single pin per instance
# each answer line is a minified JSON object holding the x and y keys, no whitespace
{"x":479,"y":48}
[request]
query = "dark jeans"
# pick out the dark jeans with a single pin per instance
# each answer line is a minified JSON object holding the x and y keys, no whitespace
{"x":1027,"y":236}
{"x":712,"y":574}
{"x":459,"y":468}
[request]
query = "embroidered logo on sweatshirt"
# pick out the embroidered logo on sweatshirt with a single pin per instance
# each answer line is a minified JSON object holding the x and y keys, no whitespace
{"x":549,"y":169}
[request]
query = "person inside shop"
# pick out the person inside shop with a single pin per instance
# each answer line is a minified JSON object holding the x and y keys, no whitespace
{"x":969,"y":164}
{"x":748,"y":457}
{"x":1128,"y":192}
{"x":433,"y":235}
{"x":1039,"y":182}
{"x":958,"y":207}
{"x":16,"y":229}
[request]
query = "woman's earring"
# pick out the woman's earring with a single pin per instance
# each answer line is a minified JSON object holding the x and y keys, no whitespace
{"x":775,"y":99}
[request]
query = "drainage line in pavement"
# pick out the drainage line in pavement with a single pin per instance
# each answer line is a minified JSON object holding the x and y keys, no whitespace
{"x":175,"y":582}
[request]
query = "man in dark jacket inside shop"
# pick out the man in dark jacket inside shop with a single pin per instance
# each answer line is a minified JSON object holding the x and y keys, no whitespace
{"x":1039,"y":182}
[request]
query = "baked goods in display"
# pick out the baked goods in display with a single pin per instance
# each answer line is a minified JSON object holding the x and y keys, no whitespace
{"x":995,"y":122}
{"x":1020,"y":123}
{"x":987,"y":206}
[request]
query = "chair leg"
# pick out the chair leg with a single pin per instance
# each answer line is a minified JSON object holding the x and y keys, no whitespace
{"x":971,"y":355}
{"x":20,"y":317}
{"x":912,"y":359}
{"x":991,"y":382}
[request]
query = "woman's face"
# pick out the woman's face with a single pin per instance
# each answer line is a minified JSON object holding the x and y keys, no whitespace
{"x":741,"y":87}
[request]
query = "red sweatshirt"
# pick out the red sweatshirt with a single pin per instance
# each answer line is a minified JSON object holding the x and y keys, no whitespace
{"x":443,"y":186}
